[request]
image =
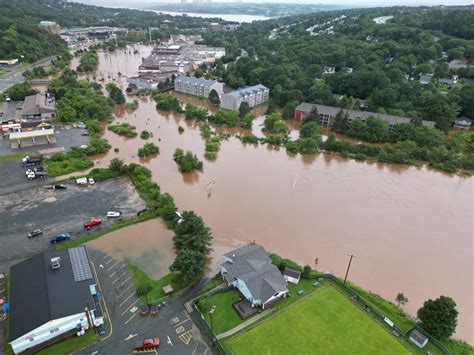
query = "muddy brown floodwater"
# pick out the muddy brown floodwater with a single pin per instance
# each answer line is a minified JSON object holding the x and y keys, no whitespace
{"x":411,"y":228}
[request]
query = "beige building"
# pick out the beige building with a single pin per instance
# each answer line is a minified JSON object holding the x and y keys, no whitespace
{"x":197,"y":86}
{"x":254,"y":95}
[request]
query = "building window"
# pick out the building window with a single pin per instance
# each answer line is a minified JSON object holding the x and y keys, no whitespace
{"x":54,"y":330}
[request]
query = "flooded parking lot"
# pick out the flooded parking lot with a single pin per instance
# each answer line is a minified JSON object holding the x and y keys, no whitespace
{"x":56,"y":211}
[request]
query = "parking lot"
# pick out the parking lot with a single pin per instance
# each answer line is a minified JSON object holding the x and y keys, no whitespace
{"x":55,"y":211}
{"x":173,"y":326}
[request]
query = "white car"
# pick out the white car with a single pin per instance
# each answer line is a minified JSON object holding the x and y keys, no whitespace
{"x":113,"y":214}
{"x":83,"y":146}
{"x":81,"y":181}
{"x":91,"y":181}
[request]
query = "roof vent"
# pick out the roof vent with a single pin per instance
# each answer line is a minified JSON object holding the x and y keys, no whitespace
{"x":56,"y":263}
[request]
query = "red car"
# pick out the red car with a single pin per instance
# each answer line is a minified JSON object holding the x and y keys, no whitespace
{"x":148,"y":343}
{"x":92,"y":222}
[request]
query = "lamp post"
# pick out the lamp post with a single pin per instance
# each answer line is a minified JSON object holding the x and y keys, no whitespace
{"x":211,"y":312}
{"x":349,"y":266}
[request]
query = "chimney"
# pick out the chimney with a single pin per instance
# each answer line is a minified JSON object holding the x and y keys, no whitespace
{"x":56,"y":262}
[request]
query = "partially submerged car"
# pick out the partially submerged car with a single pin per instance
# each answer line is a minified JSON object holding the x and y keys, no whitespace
{"x":114,"y":214}
{"x":61,"y":237}
{"x":92,"y":222}
{"x":35,"y":233}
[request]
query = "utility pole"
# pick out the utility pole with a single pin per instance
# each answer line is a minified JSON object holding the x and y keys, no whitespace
{"x":349,"y":266}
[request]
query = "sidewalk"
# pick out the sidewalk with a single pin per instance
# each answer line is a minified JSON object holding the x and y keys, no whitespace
{"x":244,"y":324}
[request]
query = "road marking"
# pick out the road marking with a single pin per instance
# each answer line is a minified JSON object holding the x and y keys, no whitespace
{"x":130,"y":337}
{"x":129,"y":319}
{"x":184,"y":321}
{"x":179,"y":330}
{"x":130,"y":306}
{"x":124,"y":290}
{"x":109,"y":261}
{"x":112,"y":274}
{"x":105,"y":304}
{"x":118,"y":278}
{"x":186,"y":337}
{"x":110,"y":268}
{"x":124,"y":282}
{"x":169,"y":341}
{"x":120,"y":305}
{"x":174,"y":320}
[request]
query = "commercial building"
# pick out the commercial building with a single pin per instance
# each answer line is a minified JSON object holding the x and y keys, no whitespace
{"x":253,"y":95}
{"x":53,"y":295}
{"x":250,"y":270}
{"x":181,"y":57}
{"x":151,"y":80}
{"x":50,"y":26}
{"x":197,"y":86}
{"x":328,"y":113}
{"x":39,"y":107}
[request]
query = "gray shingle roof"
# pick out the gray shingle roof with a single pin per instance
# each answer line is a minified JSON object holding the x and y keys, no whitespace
{"x":195,"y":81}
{"x":39,"y":294}
{"x":247,"y":91}
{"x":292,"y":273}
{"x":252,"y":265}
{"x":38,"y":104}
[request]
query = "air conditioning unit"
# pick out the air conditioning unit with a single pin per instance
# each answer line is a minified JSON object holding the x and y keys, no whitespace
{"x":56,"y":263}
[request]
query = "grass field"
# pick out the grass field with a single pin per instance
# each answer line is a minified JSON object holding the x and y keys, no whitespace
{"x":326,"y":323}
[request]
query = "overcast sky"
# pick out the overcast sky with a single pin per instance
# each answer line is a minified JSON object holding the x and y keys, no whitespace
{"x":368,"y":3}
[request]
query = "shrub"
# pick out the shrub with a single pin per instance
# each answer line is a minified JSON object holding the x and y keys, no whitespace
{"x":145,"y":134}
{"x":123,"y":129}
{"x":148,"y":149}
{"x":186,"y":161}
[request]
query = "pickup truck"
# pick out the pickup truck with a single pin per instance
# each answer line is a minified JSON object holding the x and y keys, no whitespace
{"x":31,"y":161}
{"x":147,"y":344}
{"x":36,"y":173}
{"x":60,"y":237}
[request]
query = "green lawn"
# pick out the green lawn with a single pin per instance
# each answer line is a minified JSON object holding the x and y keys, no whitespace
{"x":225,"y":317}
{"x":326,"y":322}
{"x":71,"y":344}
{"x":139,"y":277}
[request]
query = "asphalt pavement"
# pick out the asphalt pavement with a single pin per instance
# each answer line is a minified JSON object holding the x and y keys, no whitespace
{"x":15,"y":76}
{"x":55,"y":211}
{"x":175,"y":328}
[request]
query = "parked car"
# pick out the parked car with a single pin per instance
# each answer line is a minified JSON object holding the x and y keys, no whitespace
{"x":148,"y":343}
{"x":60,"y":237}
{"x":91,"y":181}
{"x":84,"y":133}
{"x":35,"y":233}
{"x":113,"y":214}
{"x":83,"y":146}
{"x":81,"y":181}
{"x":92,"y":222}
{"x":60,"y":186}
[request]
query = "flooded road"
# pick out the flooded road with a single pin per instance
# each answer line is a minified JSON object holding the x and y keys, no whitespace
{"x":411,"y":228}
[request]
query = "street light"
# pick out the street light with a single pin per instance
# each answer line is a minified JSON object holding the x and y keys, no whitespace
{"x":211,"y":312}
{"x":348,"y":266}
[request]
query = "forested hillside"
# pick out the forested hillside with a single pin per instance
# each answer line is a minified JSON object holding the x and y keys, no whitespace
{"x":379,"y":63}
{"x":19,"y":19}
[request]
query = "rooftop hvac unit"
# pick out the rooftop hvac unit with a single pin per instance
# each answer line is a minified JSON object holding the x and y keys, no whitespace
{"x":56,"y":263}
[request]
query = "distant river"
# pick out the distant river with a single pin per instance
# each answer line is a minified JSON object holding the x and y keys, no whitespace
{"x":226,"y":17}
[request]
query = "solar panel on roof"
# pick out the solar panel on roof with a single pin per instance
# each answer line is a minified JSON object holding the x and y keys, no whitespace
{"x":81,"y":268}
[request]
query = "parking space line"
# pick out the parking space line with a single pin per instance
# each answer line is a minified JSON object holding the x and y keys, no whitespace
{"x":130,"y":306}
{"x":184,"y":321}
{"x":112,"y":274}
{"x":118,"y":278}
{"x":129,"y":319}
{"x":110,"y":268}
{"x":123,"y":292}
{"x":121,"y":304}
{"x":109,"y":261}
{"x":124,"y":281}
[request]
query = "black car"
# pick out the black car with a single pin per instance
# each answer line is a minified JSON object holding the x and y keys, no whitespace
{"x":60,"y":186}
{"x":35,"y":233}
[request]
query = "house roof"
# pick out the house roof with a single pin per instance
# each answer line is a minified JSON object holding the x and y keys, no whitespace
{"x":355,"y":114}
{"x":39,"y":294}
{"x":38,"y":104}
{"x":426,"y":78}
{"x":417,"y":337}
{"x":292,"y":273}
{"x":194,"y":81}
{"x":252,"y":265}
{"x":463,"y":121}
{"x":247,"y":91}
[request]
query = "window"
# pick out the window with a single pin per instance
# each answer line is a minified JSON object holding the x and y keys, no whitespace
{"x":54,"y":330}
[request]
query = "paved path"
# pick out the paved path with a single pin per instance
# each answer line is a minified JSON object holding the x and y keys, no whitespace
{"x":244,"y":324}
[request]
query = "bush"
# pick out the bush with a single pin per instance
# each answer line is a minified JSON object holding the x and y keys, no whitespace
{"x":187,"y":161}
{"x":180,"y":129}
{"x":281,"y":263}
{"x":148,"y":149}
{"x":167,"y":103}
{"x":193,"y":112}
{"x":131,"y":106}
{"x":123,"y":129}
{"x":145,"y":134}
{"x":249,"y":139}
{"x":205,"y":130}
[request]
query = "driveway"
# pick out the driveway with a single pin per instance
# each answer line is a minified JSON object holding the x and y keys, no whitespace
{"x":174,"y":327}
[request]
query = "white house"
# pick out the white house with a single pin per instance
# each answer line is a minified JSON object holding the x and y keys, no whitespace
{"x":52,"y":296}
{"x":253,"y":95}
{"x":291,"y":275}
{"x":250,"y":270}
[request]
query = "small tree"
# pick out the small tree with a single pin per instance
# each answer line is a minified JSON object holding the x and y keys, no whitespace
{"x":244,"y":109}
{"x":214,"y":97}
{"x":439,"y":317}
{"x":306,"y":272}
{"x":143,"y":290}
{"x":401,"y":299}
{"x":189,"y":264}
